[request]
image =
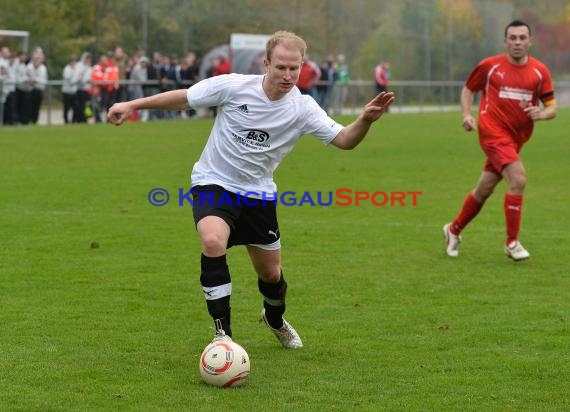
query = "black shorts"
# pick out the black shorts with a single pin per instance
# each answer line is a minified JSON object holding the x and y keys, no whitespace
{"x":252,"y":221}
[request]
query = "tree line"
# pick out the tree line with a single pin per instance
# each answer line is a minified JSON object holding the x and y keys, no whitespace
{"x":423,"y":39}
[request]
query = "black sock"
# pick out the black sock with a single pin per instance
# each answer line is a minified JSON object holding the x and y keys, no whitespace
{"x":274,"y":301}
{"x":217,"y":286}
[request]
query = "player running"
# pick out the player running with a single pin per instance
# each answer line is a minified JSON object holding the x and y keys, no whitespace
{"x":513,"y":86}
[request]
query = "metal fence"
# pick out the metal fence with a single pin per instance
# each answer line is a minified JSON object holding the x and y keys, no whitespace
{"x":411,"y":96}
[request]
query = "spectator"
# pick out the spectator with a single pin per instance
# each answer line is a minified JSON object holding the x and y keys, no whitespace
{"x":187,"y":75}
{"x":153,"y":77}
{"x":168,"y":80}
{"x":341,"y":84}
{"x":38,"y":77}
{"x":95,"y":87}
{"x":121,"y":61}
{"x":309,"y":76}
{"x":69,"y":90}
{"x":5,"y":54}
{"x":381,"y":76}
{"x":211,"y":72}
{"x":83,"y":77}
{"x":193,"y":67}
{"x":8,"y":77}
{"x":23,"y":88}
{"x":139,"y":75}
{"x":223,"y":67}
{"x":187,"y":72}
{"x":6,"y":83}
{"x":326,"y":82}
{"x":214,"y":63}
{"x":110,"y":88}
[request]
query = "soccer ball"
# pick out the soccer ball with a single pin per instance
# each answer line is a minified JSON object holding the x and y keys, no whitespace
{"x":224,"y":363}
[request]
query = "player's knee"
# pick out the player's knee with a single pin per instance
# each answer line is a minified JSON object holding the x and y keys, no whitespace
{"x":272,"y":275}
{"x":481,"y":194}
{"x":518,"y":183}
{"x":213,"y":245}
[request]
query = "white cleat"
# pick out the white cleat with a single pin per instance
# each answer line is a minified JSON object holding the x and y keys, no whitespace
{"x":516,"y":251}
{"x":220,"y":333}
{"x":221,"y":337}
{"x":288,"y":336}
{"x":451,"y":241}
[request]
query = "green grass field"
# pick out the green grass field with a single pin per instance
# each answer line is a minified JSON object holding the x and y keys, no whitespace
{"x":389,"y":322}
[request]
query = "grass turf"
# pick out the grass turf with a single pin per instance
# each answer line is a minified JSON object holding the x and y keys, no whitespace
{"x":388,"y":321}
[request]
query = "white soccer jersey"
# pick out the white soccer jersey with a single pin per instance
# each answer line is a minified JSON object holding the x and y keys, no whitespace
{"x":252,"y":134}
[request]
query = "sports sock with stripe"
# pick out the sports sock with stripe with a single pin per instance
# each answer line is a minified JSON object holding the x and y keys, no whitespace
{"x":274,"y":301}
{"x":217,"y":287}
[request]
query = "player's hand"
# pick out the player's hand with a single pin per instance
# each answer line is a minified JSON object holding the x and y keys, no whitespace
{"x":119,"y":112}
{"x":534,"y":112}
{"x":377,"y":106}
{"x":469,"y":123}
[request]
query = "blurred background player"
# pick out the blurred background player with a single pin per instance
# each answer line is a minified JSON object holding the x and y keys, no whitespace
{"x":342,"y":77}
{"x":69,"y":90}
{"x":512,"y":85}
{"x":381,"y":77}
{"x":309,"y":77}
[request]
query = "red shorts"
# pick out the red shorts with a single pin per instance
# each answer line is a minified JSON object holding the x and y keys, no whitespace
{"x":499,"y":155}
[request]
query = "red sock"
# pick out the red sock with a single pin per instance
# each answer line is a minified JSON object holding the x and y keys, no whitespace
{"x":513,"y":214}
{"x":469,"y":210}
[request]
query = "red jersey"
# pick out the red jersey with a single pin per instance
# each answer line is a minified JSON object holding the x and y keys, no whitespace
{"x":310,"y":74}
{"x":225,"y":67}
{"x":507,"y":89}
{"x":111,"y":74}
{"x":381,"y":75}
{"x":97,"y":74}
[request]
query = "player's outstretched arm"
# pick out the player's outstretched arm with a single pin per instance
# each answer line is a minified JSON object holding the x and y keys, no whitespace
{"x":171,"y":100}
{"x":466,"y":100}
{"x":350,"y":136}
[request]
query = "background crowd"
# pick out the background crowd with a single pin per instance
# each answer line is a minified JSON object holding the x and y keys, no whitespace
{"x":23,"y":82}
{"x":89,"y":87}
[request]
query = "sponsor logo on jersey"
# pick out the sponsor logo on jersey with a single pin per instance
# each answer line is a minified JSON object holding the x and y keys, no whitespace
{"x":256,"y":135}
{"x":243,"y":108}
{"x":252,"y":138}
{"x":512,"y":93}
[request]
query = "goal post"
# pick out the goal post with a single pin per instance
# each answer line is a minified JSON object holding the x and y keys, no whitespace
{"x":24,"y":35}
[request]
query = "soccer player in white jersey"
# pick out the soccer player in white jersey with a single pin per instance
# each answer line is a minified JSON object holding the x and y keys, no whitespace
{"x":259,"y":120}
